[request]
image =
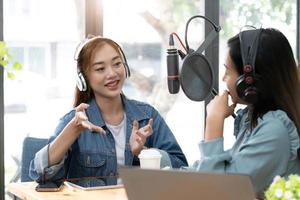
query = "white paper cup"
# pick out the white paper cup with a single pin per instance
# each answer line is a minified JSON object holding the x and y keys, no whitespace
{"x":150,"y":159}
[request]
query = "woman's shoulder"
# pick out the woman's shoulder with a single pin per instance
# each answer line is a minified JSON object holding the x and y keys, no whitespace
{"x":280,"y":118}
{"x":279,"y":122}
{"x":69,"y":115}
{"x":140,"y":110}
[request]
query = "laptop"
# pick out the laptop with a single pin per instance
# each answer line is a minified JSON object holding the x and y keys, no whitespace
{"x":146,"y":184}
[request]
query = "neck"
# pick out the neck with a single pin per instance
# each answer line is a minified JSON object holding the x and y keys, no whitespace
{"x":111,"y":109}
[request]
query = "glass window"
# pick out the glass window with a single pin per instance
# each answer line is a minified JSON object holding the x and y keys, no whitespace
{"x":143,"y":30}
{"x":42,"y":36}
{"x":270,"y":13}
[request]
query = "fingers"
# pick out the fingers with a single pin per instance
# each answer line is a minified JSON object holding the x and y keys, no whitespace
{"x":82,"y":107}
{"x":147,"y":130}
{"x":135,"y":126}
{"x":140,"y":135}
{"x":140,"y":142}
{"x":232,"y":107}
{"x":81,"y":115}
{"x":82,"y":119}
{"x":93,"y":128}
{"x":150,"y":123}
{"x":225,"y":93}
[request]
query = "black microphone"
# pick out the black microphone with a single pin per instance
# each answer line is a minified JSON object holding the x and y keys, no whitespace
{"x":173,"y":67}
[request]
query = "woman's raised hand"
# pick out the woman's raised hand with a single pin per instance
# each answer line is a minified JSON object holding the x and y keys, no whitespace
{"x":219,"y":106}
{"x":82,"y":121}
{"x":139,"y":135}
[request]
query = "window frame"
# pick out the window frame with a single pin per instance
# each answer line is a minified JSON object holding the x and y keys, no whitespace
{"x":212,"y":9}
{"x":2,"y":193}
{"x":297,"y":31}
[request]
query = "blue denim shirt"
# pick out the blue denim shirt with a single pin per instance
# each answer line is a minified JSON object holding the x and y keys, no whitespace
{"x":94,"y":155}
{"x":268,"y":150}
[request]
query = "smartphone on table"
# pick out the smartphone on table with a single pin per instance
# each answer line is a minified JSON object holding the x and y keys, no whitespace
{"x":49,"y":186}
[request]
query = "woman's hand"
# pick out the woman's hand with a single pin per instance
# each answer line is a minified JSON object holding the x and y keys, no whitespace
{"x":82,"y":122}
{"x":138,"y":136}
{"x":217,"y":110}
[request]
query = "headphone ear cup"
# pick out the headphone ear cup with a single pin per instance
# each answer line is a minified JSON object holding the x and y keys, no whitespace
{"x":241,"y":86}
{"x":246,"y":92}
{"x":81,"y":83}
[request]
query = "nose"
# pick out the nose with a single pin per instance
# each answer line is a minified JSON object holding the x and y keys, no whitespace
{"x":111,"y":72}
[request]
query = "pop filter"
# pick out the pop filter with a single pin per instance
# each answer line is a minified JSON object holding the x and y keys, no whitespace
{"x":196,"y":77}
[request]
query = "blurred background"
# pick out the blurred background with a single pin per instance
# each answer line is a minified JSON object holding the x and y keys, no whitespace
{"x":43,"y":35}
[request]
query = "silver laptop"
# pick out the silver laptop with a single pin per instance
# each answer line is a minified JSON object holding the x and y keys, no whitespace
{"x":142,"y":184}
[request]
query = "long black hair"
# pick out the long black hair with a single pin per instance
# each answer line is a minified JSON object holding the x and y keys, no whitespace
{"x":279,"y":85}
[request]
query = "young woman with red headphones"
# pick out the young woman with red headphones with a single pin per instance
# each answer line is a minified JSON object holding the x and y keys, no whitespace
{"x":261,"y":72}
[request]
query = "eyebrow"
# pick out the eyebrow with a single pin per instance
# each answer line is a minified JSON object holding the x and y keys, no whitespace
{"x":102,"y":62}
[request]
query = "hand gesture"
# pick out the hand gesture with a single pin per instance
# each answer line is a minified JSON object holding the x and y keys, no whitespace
{"x":139,"y":135}
{"x":82,"y":122}
{"x":219,"y":108}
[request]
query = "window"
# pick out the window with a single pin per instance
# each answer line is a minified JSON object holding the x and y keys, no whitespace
{"x":43,"y":37}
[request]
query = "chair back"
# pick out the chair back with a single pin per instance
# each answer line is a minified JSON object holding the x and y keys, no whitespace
{"x":31,"y":145}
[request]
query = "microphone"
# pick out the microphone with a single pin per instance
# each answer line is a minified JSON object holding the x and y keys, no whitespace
{"x":173,"y":67}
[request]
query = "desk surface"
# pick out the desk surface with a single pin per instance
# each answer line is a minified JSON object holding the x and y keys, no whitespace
{"x":26,"y":190}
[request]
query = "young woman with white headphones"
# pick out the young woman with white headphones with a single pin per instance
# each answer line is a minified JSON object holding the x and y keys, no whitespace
{"x":105,"y":129}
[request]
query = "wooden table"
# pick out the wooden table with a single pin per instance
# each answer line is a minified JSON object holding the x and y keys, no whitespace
{"x":26,"y":191}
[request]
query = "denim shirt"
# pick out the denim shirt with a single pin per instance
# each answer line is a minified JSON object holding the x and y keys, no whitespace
{"x":94,"y":154}
{"x":267,"y":150}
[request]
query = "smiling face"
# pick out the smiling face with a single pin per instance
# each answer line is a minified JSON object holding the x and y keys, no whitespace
{"x":106,"y":73}
{"x":230,"y":77}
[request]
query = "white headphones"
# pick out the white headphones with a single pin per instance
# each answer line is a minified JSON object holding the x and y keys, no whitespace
{"x":80,"y":82}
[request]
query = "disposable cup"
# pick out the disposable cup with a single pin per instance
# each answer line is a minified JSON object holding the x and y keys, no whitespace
{"x":150,"y":159}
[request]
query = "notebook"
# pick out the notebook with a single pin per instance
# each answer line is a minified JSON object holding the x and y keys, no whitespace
{"x":183,"y":185}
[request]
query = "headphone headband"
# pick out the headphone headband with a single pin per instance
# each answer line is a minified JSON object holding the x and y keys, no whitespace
{"x":247,"y":85}
{"x":249,"y":42}
{"x":91,"y":38}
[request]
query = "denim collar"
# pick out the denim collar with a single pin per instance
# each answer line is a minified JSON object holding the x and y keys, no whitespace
{"x":132,"y":110}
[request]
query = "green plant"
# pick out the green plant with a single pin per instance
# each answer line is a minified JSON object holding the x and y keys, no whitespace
{"x":7,"y":61}
{"x":284,"y":189}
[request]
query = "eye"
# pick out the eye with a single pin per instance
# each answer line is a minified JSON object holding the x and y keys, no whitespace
{"x":99,"y":69}
{"x":117,"y":64}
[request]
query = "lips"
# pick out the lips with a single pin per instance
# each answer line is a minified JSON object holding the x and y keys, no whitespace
{"x":112,"y":84}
